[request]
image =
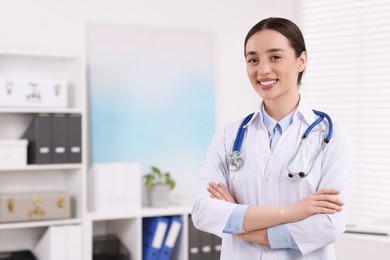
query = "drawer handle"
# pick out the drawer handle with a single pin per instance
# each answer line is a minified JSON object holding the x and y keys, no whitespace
{"x":60,"y":202}
{"x":57,"y":89}
{"x":37,"y":210}
{"x":9,"y":87}
{"x":10,"y":205}
{"x":33,"y":94}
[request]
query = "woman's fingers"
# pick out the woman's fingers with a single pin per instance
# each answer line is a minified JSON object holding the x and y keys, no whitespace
{"x":329,"y":205}
{"x":212,"y":188}
{"x":331,"y":199}
{"x":327,"y":191}
{"x":325,"y":201}
{"x":219,"y":191}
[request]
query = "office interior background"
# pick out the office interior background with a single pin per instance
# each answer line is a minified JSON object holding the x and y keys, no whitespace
{"x":347,"y":76}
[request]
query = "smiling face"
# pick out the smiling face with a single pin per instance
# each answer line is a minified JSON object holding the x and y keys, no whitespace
{"x":273,"y":67}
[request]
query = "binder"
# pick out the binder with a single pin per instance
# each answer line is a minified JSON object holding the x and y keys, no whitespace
{"x":58,"y":138}
{"x":193,"y":241}
{"x":74,"y":242}
{"x":216,"y":247}
{"x":154,"y":230}
{"x":73,"y":131}
{"x":38,"y":135}
{"x":52,"y":244}
{"x":171,"y":238}
{"x":113,"y":187}
{"x":206,"y":245}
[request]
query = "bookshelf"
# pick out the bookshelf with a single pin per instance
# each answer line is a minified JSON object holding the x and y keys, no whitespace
{"x":34,"y":178}
{"x":70,"y":177}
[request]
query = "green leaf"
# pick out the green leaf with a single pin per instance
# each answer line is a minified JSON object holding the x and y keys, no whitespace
{"x":157,"y":177}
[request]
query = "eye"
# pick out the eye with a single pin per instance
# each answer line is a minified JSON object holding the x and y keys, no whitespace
{"x":251,"y":60}
{"x":275,"y":57}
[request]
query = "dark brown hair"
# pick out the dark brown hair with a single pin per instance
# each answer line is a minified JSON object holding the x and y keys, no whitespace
{"x":286,"y":27}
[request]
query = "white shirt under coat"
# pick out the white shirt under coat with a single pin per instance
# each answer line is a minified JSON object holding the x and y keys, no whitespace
{"x":263,"y":181}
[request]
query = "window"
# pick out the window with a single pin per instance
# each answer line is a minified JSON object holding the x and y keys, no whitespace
{"x":348,"y":76}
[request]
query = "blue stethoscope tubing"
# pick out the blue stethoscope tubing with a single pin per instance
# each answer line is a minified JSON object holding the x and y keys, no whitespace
{"x":235,"y":160}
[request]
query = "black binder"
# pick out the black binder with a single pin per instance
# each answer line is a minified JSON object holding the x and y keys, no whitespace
{"x":58,"y":138}
{"x":193,"y":241}
{"x":39,"y":140}
{"x":217,"y":245}
{"x":206,"y":245}
{"x":73,"y":135}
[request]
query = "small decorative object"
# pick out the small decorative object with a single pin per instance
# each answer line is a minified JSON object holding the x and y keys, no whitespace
{"x":158,"y":186}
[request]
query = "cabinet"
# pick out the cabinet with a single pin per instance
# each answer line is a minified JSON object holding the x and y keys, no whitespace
{"x":70,"y":177}
{"x":128,"y":228}
{"x":34,"y":178}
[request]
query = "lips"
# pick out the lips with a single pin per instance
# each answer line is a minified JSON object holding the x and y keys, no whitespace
{"x":267,"y":83}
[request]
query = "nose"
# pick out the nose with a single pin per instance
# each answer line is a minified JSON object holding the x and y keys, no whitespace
{"x":263,"y":68}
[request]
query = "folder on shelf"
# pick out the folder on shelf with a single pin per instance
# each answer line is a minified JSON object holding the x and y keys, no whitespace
{"x":58,"y":138}
{"x":52,"y":244}
{"x":171,"y":238}
{"x":73,"y":136}
{"x":74,"y":242}
{"x":38,"y":135}
{"x":60,"y":243}
{"x":154,"y":230}
{"x":114,"y":187}
{"x":216,"y":249}
{"x":206,"y":245}
{"x":193,"y":241}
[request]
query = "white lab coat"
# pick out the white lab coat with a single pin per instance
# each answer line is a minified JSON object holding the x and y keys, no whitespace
{"x":249,"y":185}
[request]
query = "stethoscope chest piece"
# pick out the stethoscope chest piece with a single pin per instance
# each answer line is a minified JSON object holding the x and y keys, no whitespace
{"x":235,"y":161}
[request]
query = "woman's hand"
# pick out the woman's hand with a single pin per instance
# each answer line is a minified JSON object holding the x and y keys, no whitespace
{"x":320,"y":202}
{"x":219,"y":191}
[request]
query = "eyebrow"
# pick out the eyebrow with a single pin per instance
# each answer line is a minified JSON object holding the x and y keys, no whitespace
{"x":275,"y":50}
{"x":268,"y":51}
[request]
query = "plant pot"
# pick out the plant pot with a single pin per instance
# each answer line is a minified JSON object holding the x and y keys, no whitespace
{"x":158,"y":195}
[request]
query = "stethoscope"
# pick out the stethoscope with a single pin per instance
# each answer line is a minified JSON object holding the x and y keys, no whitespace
{"x":235,"y":160}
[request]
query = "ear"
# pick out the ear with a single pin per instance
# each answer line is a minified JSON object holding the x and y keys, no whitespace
{"x":302,"y":60}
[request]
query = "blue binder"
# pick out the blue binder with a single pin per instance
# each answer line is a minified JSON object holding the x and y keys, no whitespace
{"x":171,"y":237}
{"x":154,"y":230}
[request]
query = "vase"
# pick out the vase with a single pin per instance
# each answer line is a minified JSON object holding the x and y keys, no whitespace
{"x":158,"y":195}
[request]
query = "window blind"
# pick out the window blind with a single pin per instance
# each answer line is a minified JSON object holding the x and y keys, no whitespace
{"x":348,"y":76}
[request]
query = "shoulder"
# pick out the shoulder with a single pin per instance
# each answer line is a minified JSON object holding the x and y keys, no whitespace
{"x":229,"y":130}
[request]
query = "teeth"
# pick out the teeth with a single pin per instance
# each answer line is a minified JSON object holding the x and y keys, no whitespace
{"x":266,"y":83}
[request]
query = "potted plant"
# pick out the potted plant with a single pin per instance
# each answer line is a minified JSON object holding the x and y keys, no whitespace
{"x":158,"y":186}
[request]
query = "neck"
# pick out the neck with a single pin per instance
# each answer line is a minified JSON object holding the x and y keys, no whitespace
{"x":281,"y":107}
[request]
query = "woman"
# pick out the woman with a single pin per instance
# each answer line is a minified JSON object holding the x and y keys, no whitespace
{"x":276,"y":206}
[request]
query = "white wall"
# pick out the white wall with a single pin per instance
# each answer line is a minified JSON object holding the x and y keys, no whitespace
{"x":59,"y":26}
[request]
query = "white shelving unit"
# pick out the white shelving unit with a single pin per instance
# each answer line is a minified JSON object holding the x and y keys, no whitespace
{"x":42,"y":178}
{"x":66,"y":177}
{"x":128,"y":227}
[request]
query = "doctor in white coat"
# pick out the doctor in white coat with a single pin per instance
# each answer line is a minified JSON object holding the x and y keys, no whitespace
{"x":259,"y":211}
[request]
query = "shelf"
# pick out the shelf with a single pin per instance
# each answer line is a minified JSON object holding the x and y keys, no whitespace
{"x":32,"y":54}
{"x":42,"y":167}
{"x":36,"y":110}
{"x":93,"y":216}
{"x":33,"y":224}
{"x":144,"y":212}
{"x":165,"y":211}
